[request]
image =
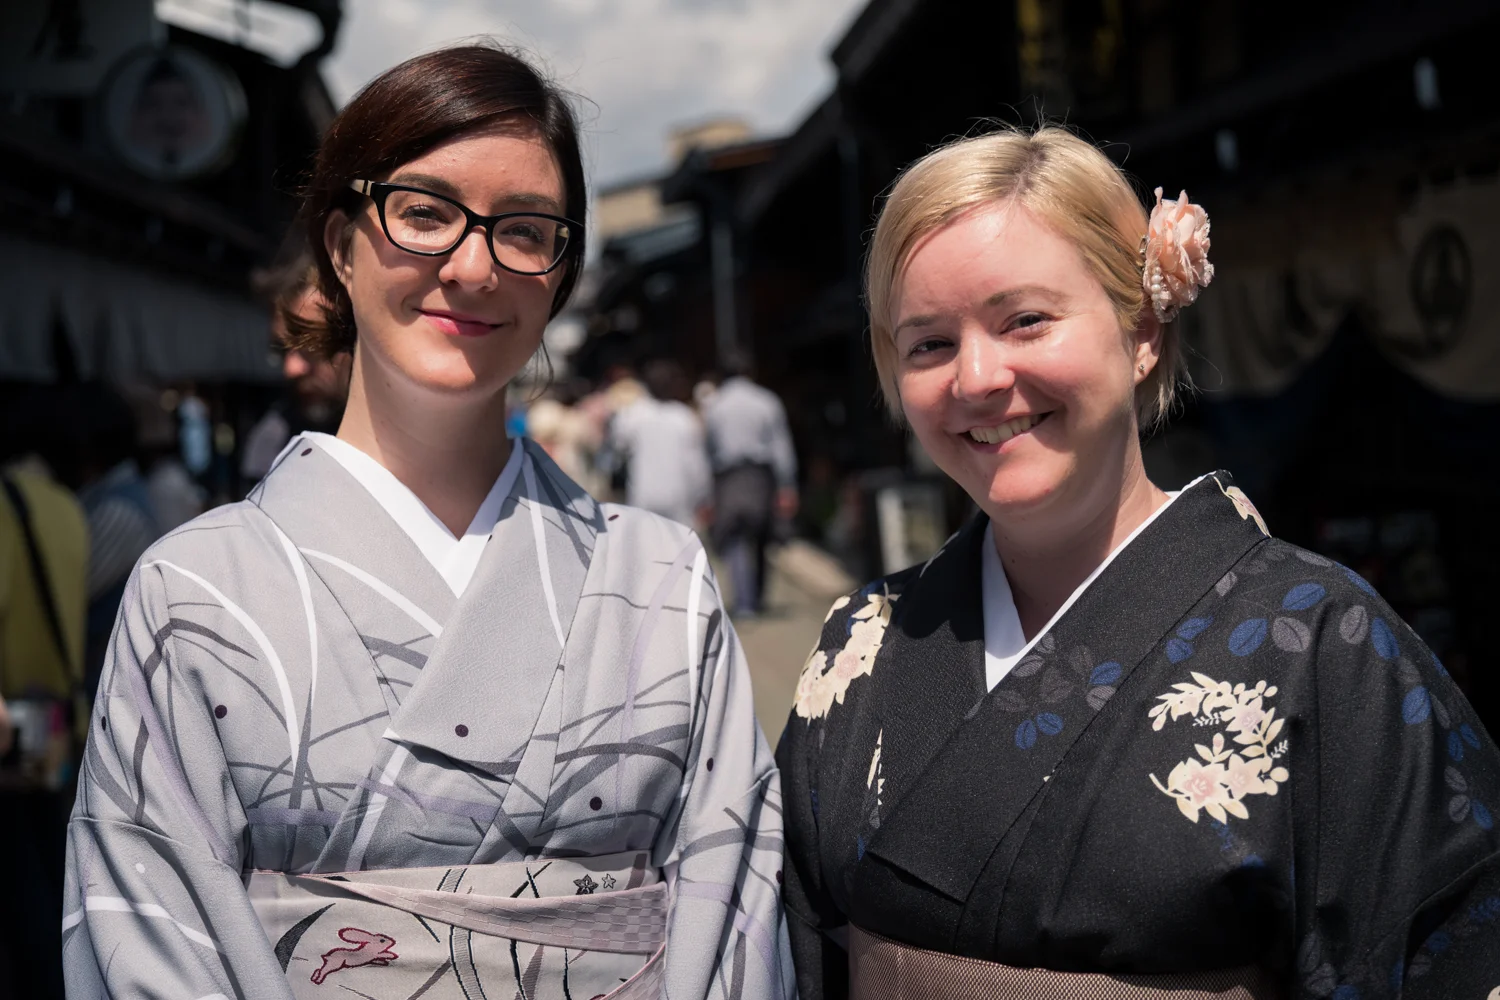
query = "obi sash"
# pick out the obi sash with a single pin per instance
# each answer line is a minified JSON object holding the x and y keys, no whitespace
{"x":882,"y":969}
{"x":580,"y":927}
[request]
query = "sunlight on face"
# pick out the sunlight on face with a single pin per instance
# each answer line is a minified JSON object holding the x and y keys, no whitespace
{"x":455,"y":324}
{"x":1014,"y":372}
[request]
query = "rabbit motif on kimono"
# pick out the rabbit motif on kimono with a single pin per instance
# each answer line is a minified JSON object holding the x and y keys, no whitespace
{"x":369,"y":949}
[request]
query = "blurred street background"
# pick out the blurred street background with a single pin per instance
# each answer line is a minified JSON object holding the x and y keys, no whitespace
{"x":1347,"y":354}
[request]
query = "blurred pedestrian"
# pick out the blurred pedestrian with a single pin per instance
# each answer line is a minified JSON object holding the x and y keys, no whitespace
{"x":555,"y":422}
{"x":176,"y":497}
{"x":618,"y":389}
{"x":43,"y":565}
{"x":121,"y":518}
{"x":661,"y":441}
{"x":315,"y":387}
{"x":755,"y":477}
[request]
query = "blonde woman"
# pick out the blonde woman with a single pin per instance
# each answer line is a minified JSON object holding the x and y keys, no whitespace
{"x":1110,"y":741}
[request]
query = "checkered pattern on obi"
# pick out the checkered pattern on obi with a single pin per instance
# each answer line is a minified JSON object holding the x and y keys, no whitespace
{"x":882,"y":969}
{"x":630,"y":921}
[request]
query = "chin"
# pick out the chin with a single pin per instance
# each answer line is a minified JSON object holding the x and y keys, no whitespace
{"x":1022,"y":489}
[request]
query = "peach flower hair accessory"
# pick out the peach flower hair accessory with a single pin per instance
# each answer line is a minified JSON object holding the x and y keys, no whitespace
{"x":1175,"y":252}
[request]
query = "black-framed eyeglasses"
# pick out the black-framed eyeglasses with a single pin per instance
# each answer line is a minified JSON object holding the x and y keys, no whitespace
{"x":430,"y":225}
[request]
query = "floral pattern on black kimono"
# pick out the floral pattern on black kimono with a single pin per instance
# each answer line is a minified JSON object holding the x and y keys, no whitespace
{"x":1228,"y":752}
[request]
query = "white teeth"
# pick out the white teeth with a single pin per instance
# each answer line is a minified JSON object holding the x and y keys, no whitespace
{"x":1004,"y":432}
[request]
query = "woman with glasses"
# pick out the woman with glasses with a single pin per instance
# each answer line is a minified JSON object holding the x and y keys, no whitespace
{"x":420,"y":717}
{"x":1111,"y":742}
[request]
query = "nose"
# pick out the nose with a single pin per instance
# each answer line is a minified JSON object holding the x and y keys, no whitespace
{"x":983,"y":367}
{"x":469,"y":264}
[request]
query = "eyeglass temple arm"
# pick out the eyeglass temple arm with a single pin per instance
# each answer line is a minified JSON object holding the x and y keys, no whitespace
{"x":363,"y":187}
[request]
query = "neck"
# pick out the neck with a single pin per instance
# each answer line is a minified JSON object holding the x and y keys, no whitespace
{"x":448,"y":452}
{"x":1047,"y":556}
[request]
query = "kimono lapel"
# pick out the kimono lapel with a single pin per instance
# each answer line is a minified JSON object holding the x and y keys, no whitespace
{"x":933,"y":663}
{"x":481,"y":693}
{"x":392,"y":597}
{"x":974,"y":788}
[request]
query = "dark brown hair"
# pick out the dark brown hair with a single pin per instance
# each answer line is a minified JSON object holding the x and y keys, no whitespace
{"x":400,"y":115}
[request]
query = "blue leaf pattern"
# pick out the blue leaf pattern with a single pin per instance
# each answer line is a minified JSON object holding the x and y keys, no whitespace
{"x":1026,"y":735}
{"x":1384,"y":640}
{"x":1193,"y":627}
{"x":1106,"y":673}
{"x":1049,"y":724}
{"x":1416,"y":706}
{"x":1303,"y":596}
{"x":1455,"y":746}
{"x":1247,"y":637}
{"x":1360,"y":582}
{"x":1481,"y":814}
{"x":1177,"y":650}
{"x":1470,"y":737}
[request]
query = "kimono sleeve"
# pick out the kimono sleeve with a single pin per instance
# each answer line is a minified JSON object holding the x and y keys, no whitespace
{"x":816,"y":926}
{"x":1403,"y":896}
{"x":725,"y":934}
{"x":153,"y":902}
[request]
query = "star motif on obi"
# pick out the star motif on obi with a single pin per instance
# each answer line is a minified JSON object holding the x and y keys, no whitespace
{"x":607,"y":883}
{"x":586,"y":886}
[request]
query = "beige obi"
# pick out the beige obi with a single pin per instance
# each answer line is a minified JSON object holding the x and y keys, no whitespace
{"x":580,"y":927}
{"x":882,"y":969}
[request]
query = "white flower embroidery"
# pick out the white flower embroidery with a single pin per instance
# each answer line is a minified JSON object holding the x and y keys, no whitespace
{"x":820,"y":687}
{"x":1219,"y":783}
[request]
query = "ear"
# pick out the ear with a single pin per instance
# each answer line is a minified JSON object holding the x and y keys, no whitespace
{"x":1148,"y":338}
{"x":336,"y":233}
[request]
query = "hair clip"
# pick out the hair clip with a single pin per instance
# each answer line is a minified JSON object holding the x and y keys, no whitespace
{"x":1174,"y":254}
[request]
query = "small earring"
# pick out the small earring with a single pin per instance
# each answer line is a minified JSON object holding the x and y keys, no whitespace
{"x":1142,"y":368}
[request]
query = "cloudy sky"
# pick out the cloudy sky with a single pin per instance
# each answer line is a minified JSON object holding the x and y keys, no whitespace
{"x":646,"y":65}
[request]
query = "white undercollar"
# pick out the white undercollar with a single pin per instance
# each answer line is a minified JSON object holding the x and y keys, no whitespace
{"x":1004,"y":642}
{"x":455,"y":559}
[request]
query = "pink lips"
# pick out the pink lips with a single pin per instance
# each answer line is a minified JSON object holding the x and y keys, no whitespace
{"x":458,"y":326}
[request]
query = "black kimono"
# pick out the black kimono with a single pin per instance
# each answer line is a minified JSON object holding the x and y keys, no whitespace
{"x":1228,"y":752}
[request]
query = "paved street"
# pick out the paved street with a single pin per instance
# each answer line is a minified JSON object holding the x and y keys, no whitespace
{"x":803,"y":584}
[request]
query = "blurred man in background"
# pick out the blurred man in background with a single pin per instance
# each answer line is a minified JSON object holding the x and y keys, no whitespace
{"x":316,"y":388}
{"x":661,"y":441}
{"x":755,"y":477}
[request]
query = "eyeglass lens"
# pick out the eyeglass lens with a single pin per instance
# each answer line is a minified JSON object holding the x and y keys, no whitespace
{"x":425,"y":223}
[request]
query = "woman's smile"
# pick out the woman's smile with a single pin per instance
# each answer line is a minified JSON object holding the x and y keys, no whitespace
{"x":458,"y":324}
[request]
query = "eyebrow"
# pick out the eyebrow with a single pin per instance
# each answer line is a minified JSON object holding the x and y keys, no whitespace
{"x":437,"y":185}
{"x":999,"y":298}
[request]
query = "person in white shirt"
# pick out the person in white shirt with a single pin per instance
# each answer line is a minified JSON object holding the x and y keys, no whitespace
{"x":661,"y":441}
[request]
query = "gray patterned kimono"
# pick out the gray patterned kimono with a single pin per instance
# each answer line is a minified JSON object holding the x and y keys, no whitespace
{"x":314,"y":771}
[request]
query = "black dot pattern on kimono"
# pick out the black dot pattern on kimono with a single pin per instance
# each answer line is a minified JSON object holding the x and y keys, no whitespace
{"x":778,"y":876}
{"x":220,"y":711}
{"x":710,"y":763}
{"x":306,"y":452}
{"x":596,"y":803}
{"x":461,"y":729}
{"x":103,"y":722}
{"x":614,"y":517}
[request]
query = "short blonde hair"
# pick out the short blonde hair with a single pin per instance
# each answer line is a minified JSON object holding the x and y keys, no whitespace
{"x":1070,"y":186}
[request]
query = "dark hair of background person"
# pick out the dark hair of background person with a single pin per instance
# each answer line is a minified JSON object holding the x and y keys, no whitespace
{"x":281,"y":284}
{"x":666,"y":380}
{"x":400,"y":115}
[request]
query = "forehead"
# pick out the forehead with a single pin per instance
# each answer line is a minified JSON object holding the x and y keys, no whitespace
{"x":982,"y":252}
{"x":506,"y":159}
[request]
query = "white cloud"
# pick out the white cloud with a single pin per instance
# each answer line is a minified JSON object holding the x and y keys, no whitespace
{"x":646,"y":65}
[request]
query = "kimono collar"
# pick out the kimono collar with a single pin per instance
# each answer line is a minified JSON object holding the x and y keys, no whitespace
{"x":944,"y":738}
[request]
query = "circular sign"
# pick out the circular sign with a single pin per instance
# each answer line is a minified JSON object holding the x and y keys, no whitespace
{"x":1442,"y":282}
{"x":171,"y":113}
